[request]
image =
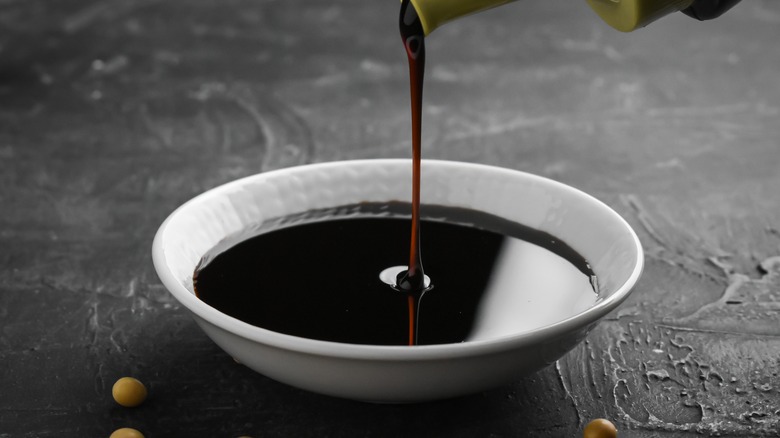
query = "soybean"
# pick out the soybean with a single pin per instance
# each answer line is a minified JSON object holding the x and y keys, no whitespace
{"x":129,"y":392}
{"x":600,"y":428}
{"x":126,"y":432}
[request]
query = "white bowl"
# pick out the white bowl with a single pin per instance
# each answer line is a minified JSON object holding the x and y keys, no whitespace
{"x":399,"y":373}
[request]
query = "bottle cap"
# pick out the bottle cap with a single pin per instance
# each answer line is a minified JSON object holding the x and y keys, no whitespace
{"x":628,"y":15}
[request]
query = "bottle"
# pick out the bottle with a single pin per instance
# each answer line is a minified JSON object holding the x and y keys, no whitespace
{"x":623,"y":15}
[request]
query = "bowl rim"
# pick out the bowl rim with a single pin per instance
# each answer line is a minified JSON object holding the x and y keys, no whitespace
{"x":389,"y":352}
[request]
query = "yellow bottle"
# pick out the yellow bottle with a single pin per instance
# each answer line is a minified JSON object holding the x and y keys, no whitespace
{"x":628,"y":15}
{"x":623,"y":15}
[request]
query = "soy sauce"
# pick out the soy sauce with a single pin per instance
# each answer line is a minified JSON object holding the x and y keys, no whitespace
{"x":413,"y":37}
{"x":319,"y":277}
{"x":412,"y":280}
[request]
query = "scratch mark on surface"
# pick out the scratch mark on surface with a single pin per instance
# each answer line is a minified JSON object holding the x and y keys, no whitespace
{"x":85,"y":17}
{"x":90,"y":14}
{"x":131,"y":288}
{"x":736,"y":281}
{"x":262,"y":125}
{"x":717,"y":332}
{"x":686,"y":268}
{"x":703,"y":111}
{"x":644,"y":219}
{"x":590,"y":373}
{"x":114,"y":342}
{"x":770,"y":264}
{"x":747,"y":306}
{"x":295,"y":126}
{"x":164,"y":137}
{"x":287,"y":137}
{"x":227,"y":140}
{"x":92,"y":325}
{"x":100,"y":381}
{"x":497,"y":128}
{"x":109,"y":66}
{"x":567,"y":392}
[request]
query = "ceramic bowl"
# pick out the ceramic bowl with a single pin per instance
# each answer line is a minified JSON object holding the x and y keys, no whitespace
{"x":401,"y":373}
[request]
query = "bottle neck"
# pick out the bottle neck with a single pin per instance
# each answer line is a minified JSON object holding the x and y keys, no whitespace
{"x":434,"y":13}
{"x":629,"y":15}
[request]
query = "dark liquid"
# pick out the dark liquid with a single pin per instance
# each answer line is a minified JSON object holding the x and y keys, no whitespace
{"x":319,"y":279}
{"x":412,"y":281}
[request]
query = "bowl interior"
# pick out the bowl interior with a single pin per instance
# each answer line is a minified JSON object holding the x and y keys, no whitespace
{"x":587,"y":225}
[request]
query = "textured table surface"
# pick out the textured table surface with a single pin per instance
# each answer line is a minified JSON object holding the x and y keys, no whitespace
{"x":114,"y":112}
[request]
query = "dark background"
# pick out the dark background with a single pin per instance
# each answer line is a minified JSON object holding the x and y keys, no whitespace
{"x":114,"y":112}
